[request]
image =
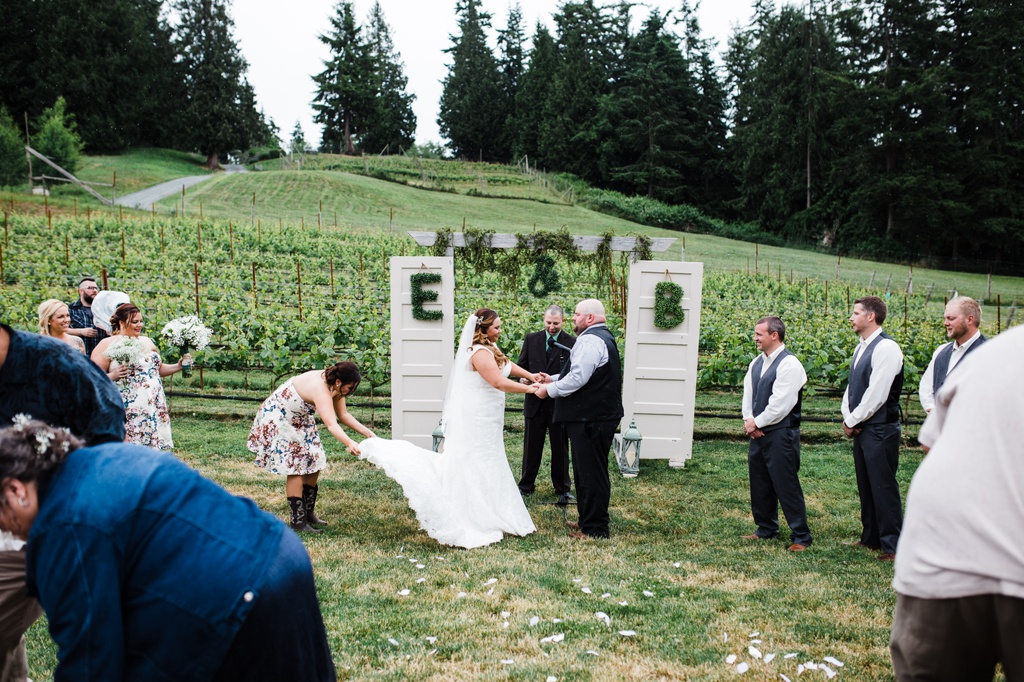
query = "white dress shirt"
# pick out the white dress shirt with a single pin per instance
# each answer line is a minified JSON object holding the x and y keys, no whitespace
{"x":926,"y":389}
{"x":790,"y":377}
{"x":886,"y":362}
{"x":587,"y":354}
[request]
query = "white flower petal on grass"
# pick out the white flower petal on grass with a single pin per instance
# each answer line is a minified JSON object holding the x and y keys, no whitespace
{"x":648,"y":593}
{"x":431,"y":652}
{"x":753,"y":634}
{"x":412,"y":561}
{"x":833,"y":661}
{"x":507,"y":661}
{"x":677,"y":564}
{"x":577,"y":580}
{"x":534,"y":621}
{"x":592,"y":652}
{"x":800,"y":669}
{"x":725,"y":636}
{"x":785,"y":678}
{"x":627,"y":633}
{"x":404,"y":592}
{"x":505,"y":624}
{"x":420,"y":566}
{"x":586,"y":590}
{"x":430,"y":640}
{"x":551,"y":678}
{"x":623,"y":603}
{"x":601,"y":615}
{"x":393,"y":641}
{"x":399,"y":556}
{"x":790,"y":656}
{"x":491,"y":581}
{"x":420,"y":580}
{"x":755,"y":641}
{"x":768,"y":658}
{"x":828,"y":671}
{"x":506,"y":614}
{"x":553,"y":638}
{"x":460,"y":595}
{"x":754,"y":651}
{"x":811,"y":665}
{"x":742,"y":668}
{"x":556,"y":620}
{"x":467,"y":573}
{"x":606,"y":595}
{"x":490,"y":592}
{"x":730,"y":659}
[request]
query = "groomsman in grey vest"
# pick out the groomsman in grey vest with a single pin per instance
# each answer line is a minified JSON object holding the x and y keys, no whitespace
{"x":871,"y":416}
{"x":772,"y":392}
{"x":962,"y":320}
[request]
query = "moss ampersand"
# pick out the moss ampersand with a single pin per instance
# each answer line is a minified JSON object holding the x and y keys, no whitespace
{"x":421,"y":295}
{"x":545,"y":277}
{"x":668,"y":309}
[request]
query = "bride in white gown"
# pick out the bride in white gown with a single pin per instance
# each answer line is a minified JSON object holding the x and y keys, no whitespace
{"x":466,"y":495}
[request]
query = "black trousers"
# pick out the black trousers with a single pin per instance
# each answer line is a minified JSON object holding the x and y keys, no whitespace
{"x":774,"y":462}
{"x":591,"y":444}
{"x":959,"y":640}
{"x":876,"y":457}
{"x":533,"y":452}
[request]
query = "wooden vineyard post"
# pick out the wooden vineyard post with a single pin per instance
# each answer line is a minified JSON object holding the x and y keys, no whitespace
{"x":999,"y":313}
{"x":6,"y":237}
{"x":320,"y":217}
{"x":123,"y":261}
{"x":199,"y":239}
{"x":103,"y":275}
{"x":3,"y":281}
{"x":195,"y":270}
{"x":67,"y":251}
{"x":360,"y":265}
{"x":826,"y":298}
{"x":332,"y":279}
{"x":847,"y":298}
{"x":183,"y":201}
{"x":162,"y":243}
{"x":255,"y":299}
{"x":259,"y":231}
{"x":231,"y":241}
{"x":756,"y":253}
{"x":905,"y":297}
{"x":88,"y":217}
{"x":49,"y":221}
{"x":391,"y":220}
{"x":298,"y":278}
{"x":200,"y":210}
{"x":252,"y":213}
{"x":807,"y":295}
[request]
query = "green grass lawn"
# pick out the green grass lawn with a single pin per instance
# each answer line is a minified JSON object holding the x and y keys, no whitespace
{"x":139,"y":169}
{"x":675,"y":535}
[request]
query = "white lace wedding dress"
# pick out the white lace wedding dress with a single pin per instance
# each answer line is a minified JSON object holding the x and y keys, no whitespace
{"x":466,"y":495}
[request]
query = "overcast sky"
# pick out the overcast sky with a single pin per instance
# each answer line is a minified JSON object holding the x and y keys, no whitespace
{"x":279,"y":41}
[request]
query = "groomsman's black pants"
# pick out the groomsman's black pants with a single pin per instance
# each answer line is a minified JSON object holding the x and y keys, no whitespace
{"x":774,"y":462}
{"x":876,"y":456}
{"x":533,"y":452}
{"x":591,"y":443}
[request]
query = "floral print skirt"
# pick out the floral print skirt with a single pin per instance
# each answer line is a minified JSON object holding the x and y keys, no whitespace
{"x":284,"y":436}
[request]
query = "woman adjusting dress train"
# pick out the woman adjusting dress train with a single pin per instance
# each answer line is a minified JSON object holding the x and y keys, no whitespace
{"x":466,"y":495}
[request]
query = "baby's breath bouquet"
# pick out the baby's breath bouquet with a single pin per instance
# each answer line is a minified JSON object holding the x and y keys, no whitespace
{"x":185,"y":333}
{"x":126,"y":350}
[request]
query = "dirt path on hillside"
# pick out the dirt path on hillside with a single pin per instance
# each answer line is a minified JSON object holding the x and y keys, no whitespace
{"x":144,"y":199}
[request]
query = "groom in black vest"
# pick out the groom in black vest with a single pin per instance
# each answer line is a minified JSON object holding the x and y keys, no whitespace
{"x":871,"y":416}
{"x":772,"y":392}
{"x":545,"y":351}
{"x":962,"y":320}
{"x":588,"y":402}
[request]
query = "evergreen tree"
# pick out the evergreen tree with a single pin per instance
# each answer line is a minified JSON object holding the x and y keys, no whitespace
{"x":219,"y":112}
{"x":56,"y":136}
{"x":345,"y":88}
{"x":572,"y":130}
{"x":297,"y":145}
{"x":533,"y":94}
{"x":390,"y":123}
{"x":471,"y":115}
{"x":13,"y":169}
{"x":511,"y":67}
{"x":653,"y":115}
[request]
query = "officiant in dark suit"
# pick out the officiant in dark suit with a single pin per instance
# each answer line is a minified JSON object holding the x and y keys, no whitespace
{"x":541,"y":354}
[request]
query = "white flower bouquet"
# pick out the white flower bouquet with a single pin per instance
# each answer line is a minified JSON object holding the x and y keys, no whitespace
{"x":126,"y":350}
{"x":185,"y":333}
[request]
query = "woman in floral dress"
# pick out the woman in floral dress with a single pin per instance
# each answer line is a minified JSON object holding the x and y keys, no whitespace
{"x":147,"y":421}
{"x":285,"y":440}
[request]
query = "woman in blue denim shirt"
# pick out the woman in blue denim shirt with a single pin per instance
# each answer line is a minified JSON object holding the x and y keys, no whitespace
{"x":147,"y":571}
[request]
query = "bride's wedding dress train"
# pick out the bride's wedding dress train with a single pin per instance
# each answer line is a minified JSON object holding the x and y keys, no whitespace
{"x":465,"y":496}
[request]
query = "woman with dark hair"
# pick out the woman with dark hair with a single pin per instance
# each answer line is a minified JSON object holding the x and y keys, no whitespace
{"x":133,"y":363}
{"x":465,"y":496}
{"x":285,"y":439}
{"x":138,"y":574}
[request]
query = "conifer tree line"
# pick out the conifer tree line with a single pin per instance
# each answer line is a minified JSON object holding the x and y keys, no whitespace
{"x":125,"y":76}
{"x":882,"y":128}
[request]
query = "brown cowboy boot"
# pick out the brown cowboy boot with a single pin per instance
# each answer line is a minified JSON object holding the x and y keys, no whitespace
{"x":309,"y":500}
{"x":299,"y":523}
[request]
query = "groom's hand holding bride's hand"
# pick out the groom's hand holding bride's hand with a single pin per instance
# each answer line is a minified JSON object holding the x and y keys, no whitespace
{"x":542,"y":378}
{"x":542,"y":391}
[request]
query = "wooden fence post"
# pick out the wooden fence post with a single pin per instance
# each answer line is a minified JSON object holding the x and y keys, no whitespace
{"x":123,"y":261}
{"x":298,"y":277}
{"x":255,"y":299}
{"x":195,"y":270}
{"x":231,"y":241}
{"x":332,"y":279}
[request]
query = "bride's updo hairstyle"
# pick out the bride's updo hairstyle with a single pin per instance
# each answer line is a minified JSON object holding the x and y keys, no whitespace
{"x":346,"y":372}
{"x":123,"y":314}
{"x":32,"y":450}
{"x":485,"y":317}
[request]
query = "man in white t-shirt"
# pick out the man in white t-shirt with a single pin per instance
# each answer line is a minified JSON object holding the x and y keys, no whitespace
{"x":960,"y":569}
